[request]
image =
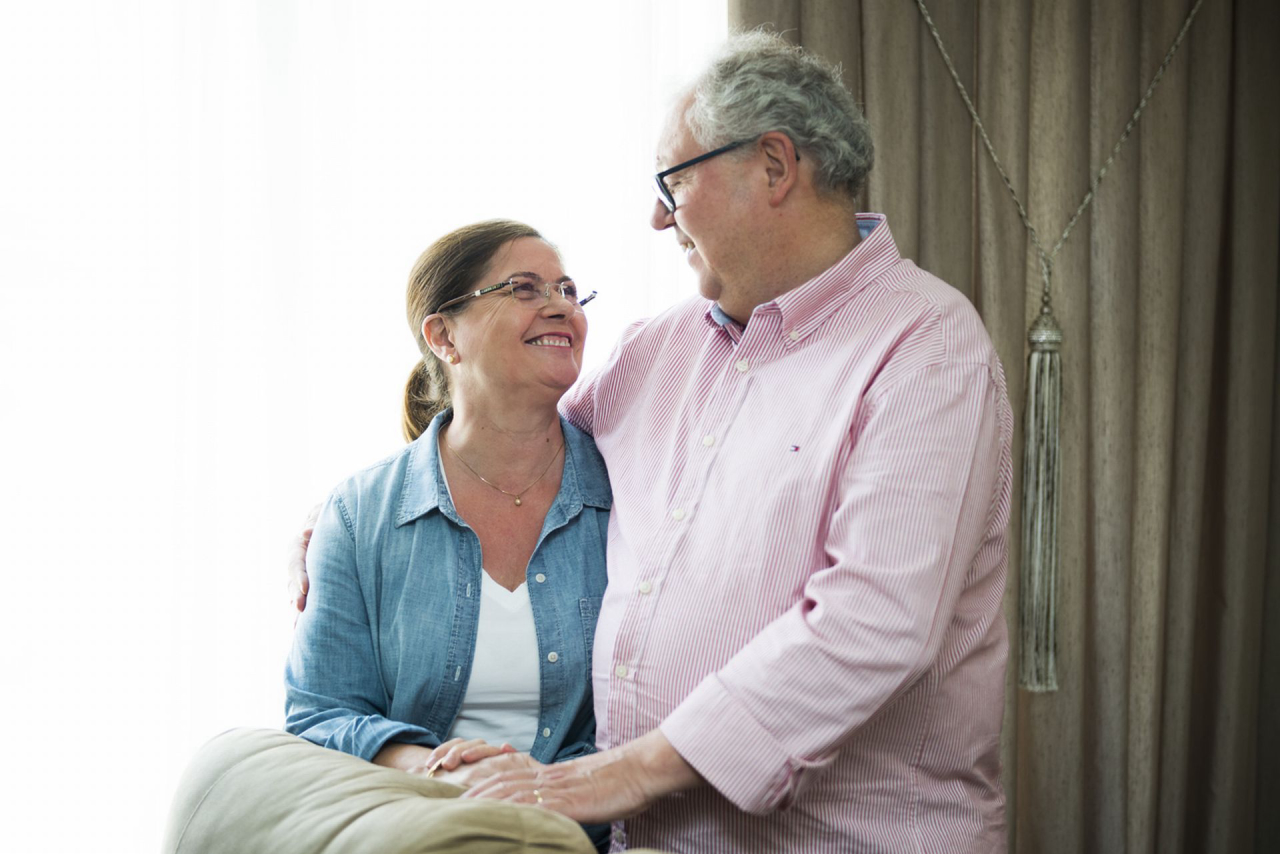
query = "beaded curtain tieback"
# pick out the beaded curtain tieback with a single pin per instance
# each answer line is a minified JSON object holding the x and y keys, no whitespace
{"x":1041,"y":467}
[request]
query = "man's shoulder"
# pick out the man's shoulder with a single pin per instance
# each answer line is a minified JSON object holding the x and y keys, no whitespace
{"x":924,"y":309}
{"x":686,"y":316}
{"x":678,"y":328}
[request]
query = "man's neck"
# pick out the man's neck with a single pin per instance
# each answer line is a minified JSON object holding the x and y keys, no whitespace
{"x":810,"y":252}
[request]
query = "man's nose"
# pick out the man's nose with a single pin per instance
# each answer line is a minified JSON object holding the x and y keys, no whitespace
{"x":661,"y":218}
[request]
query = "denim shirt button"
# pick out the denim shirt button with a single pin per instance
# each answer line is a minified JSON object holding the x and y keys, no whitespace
{"x":539,"y":578}
{"x":546,"y":732}
{"x":553,"y":657}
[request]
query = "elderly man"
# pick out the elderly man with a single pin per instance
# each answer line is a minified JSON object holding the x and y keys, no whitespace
{"x":801,"y":648}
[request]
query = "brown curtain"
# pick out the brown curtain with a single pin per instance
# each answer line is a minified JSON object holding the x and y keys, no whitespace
{"x":1161,"y":737}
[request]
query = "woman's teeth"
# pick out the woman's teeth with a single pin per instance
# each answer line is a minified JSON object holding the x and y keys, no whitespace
{"x":552,"y":341}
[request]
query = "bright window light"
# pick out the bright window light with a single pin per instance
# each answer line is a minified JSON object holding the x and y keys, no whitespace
{"x":210,"y":212}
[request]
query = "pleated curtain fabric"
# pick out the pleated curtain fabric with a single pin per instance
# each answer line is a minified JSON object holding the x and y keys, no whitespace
{"x":1161,"y":737}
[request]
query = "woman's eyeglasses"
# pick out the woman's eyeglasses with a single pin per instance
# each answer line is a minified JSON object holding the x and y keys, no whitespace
{"x":528,"y":290}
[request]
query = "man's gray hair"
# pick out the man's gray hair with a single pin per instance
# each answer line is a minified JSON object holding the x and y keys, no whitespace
{"x":760,"y":82}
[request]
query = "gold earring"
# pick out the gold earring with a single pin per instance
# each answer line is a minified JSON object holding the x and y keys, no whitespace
{"x":451,"y":358}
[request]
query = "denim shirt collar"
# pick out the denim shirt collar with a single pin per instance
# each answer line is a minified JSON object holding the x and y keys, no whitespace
{"x":584,"y":481}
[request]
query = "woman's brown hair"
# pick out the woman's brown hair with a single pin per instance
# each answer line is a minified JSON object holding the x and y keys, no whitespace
{"x":449,"y":268}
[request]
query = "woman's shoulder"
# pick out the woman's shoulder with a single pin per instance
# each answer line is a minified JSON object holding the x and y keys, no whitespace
{"x":396,"y":486}
{"x":593,"y":477}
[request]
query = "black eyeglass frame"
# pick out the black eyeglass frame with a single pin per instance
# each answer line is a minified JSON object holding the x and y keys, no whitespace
{"x":660,"y":183}
{"x":546,"y":294}
{"x":659,"y":180}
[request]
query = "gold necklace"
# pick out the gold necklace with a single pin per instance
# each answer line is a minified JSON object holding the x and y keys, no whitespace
{"x":487,"y":482}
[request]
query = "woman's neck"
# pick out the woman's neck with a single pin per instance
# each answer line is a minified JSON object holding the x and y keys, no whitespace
{"x":507,"y":443}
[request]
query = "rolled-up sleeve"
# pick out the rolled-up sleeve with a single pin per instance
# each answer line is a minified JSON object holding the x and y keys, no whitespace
{"x":915,"y":494}
{"x":334,"y":693}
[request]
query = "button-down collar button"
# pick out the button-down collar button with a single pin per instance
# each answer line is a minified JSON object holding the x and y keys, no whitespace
{"x":621,"y":671}
{"x":677,"y":514}
{"x":742,"y":365}
{"x":539,"y":578}
{"x":793,"y":335}
{"x":645,"y":587}
{"x":546,"y":732}
{"x":553,"y":657}
{"x":708,"y":440}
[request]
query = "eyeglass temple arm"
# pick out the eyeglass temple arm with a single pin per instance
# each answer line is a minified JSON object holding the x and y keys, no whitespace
{"x":588,"y":298}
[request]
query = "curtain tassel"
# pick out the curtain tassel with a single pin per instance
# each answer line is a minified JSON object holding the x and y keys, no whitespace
{"x":1040,"y":476}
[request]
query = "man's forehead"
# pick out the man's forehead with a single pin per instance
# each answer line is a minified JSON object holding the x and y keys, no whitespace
{"x":675,"y":131}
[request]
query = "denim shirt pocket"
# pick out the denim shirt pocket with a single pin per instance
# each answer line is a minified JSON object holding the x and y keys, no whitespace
{"x":589,"y":609}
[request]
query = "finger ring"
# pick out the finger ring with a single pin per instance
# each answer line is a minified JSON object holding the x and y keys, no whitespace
{"x":435,"y":766}
{"x":537,"y":794}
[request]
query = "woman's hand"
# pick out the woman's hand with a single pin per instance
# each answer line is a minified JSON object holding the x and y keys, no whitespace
{"x":463,"y":762}
{"x":459,"y":751}
{"x":299,"y":584}
{"x":475,"y":773}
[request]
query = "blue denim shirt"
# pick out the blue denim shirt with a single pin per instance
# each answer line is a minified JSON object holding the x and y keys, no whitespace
{"x":384,"y":648}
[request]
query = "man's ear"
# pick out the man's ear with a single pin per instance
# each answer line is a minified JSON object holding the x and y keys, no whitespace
{"x":439,"y":338}
{"x":782,"y":165}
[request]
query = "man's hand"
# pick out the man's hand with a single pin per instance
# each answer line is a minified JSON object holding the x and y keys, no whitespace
{"x":599,"y":788}
{"x":299,"y":584}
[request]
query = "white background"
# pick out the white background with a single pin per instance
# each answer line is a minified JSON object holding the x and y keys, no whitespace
{"x":208,"y":211}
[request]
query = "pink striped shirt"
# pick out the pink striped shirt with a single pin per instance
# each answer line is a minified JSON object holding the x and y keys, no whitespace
{"x":806,"y":561}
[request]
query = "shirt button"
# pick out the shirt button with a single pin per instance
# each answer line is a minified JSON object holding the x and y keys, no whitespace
{"x":621,"y":671}
{"x":645,"y":587}
{"x":677,"y":514}
{"x":793,"y":335}
{"x":708,"y":440}
{"x":742,"y":365}
{"x":539,"y":578}
{"x":546,"y":732}
{"x":553,"y":657}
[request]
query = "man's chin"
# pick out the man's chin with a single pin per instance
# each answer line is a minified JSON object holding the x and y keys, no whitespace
{"x":709,"y":286}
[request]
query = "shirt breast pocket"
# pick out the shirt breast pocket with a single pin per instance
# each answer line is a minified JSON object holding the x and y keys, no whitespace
{"x":589,"y":610}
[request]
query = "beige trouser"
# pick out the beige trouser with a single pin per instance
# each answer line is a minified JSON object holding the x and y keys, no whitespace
{"x":257,"y":790}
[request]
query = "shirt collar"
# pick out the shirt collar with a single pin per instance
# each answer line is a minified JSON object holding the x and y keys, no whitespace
{"x":584,"y":481}
{"x":804,"y":308}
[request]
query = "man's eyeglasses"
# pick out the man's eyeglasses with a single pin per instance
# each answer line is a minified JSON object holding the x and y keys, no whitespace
{"x":660,"y":180}
{"x":528,"y":290}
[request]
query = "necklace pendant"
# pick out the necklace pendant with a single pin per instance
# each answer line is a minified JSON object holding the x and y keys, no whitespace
{"x":517,"y":502}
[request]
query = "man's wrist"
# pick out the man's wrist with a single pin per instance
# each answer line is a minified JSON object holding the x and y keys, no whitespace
{"x":661,"y":766}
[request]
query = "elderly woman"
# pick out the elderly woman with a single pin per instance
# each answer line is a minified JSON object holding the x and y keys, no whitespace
{"x":454,"y":586}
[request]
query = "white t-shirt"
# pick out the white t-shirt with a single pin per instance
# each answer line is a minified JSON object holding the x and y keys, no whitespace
{"x":503,"y":693}
{"x":505,"y":690}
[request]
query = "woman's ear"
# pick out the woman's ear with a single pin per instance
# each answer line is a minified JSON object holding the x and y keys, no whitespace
{"x":439,"y":338}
